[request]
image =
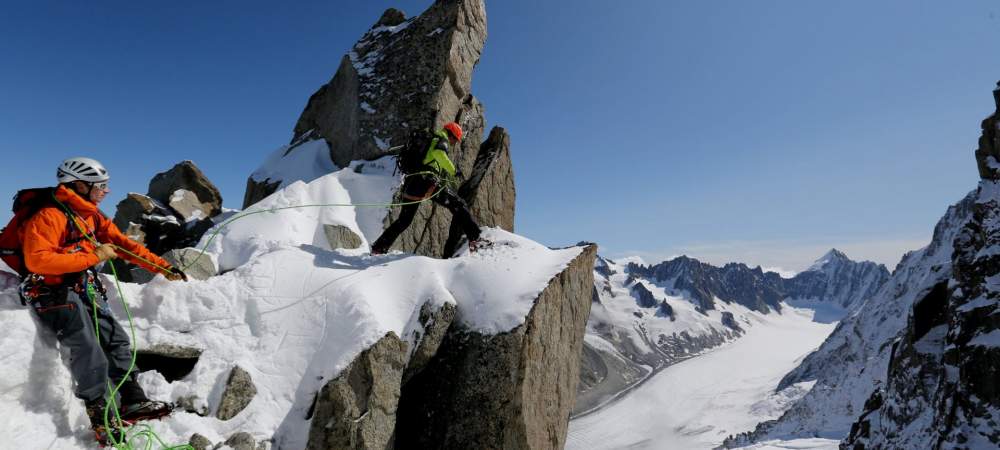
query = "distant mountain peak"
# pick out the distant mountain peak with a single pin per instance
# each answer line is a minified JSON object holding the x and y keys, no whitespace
{"x":832,"y":256}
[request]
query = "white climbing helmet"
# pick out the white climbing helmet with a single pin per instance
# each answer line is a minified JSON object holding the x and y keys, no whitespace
{"x":83,"y":169}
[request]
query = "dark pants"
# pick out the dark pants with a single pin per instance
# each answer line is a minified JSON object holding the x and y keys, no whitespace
{"x":91,"y":362}
{"x":416,"y":187}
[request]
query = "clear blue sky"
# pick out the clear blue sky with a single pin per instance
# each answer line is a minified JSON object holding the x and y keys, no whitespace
{"x":763,"y":132}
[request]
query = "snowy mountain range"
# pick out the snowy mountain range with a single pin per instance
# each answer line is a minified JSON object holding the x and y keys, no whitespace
{"x":647,"y":317}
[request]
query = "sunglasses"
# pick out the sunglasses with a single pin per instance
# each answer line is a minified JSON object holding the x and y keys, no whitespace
{"x":102,"y":186}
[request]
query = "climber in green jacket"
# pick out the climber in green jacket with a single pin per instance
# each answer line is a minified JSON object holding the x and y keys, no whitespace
{"x":424,"y":160}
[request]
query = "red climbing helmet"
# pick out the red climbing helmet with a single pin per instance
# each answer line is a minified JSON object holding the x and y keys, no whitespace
{"x":454,"y":129}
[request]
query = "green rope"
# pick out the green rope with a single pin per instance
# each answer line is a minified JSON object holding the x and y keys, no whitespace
{"x":144,"y":431}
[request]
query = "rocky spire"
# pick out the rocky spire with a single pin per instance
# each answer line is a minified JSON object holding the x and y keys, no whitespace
{"x":405,"y":74}
{"x":988,"y":153}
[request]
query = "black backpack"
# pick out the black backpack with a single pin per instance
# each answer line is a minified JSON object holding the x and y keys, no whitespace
{"x":411,"y":157}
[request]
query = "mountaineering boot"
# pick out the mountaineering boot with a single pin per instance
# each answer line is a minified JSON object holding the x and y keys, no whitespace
{"x":147,"y":410}
{"x":136,"y":406}
{"x":103,"y":435}
{"x":131,"y":392}
{"x":479,"y":244}
{"x":379,"y":248}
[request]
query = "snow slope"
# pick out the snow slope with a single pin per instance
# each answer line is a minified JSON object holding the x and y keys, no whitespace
{"x":696,"y":403}
{"x":289,"y":311}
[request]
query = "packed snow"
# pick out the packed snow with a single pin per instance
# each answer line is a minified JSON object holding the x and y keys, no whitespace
{"x":306,"y":162}
{"x":696,"y":403}
{"x":288,"y":310}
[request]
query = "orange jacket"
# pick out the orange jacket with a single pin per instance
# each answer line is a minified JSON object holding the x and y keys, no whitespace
{"x":53,"y":247}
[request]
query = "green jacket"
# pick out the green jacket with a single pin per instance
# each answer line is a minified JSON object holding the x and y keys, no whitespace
{"x":437,"y":154}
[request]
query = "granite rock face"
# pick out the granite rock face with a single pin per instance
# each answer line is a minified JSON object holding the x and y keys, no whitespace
{"x":239,"y":392}
{"x":357,"y":409}
{"x":401,"y":74}
{"x":197,"y":265}
{"x":340,"y":236}
{"x":457,"y":388}
{"x":147,"y":222}
{"x":512,"y":390}
{"x":175,"y":214}
{"x":185,"y":176}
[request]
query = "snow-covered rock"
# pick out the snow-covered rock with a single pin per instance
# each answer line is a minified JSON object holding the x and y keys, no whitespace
{"x":510,"y":390}
{"x":296,"y":315}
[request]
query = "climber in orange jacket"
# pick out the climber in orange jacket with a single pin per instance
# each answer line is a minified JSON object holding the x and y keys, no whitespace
{"x":63,"y":288}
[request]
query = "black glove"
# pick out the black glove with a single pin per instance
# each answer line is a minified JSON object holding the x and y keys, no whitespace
{"x":176,"y":274}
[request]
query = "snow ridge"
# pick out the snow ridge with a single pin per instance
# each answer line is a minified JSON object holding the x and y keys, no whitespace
{"x":288,"y":309}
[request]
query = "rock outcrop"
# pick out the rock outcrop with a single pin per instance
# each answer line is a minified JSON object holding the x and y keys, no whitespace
{"x":458,"y":388}
{"x":197,"y":264}
{"x":643,"y":297}
{"x":512,"y":390}
{"x":174,"y":214}
{"x":358,"y":408}
{"x":239,"y":392}
{"x":340,"y":236}
{"x":943,"y":383}
{"x":197,"y":193}
{"x":147,"y":221}
{"x":405,"y":74}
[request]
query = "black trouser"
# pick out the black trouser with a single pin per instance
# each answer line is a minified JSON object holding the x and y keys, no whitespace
{"x":91,"y":362}
{"x":415,"y":187}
